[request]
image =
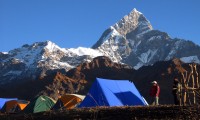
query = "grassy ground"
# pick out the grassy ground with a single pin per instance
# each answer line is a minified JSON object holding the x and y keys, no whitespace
{"x":114,"y":113}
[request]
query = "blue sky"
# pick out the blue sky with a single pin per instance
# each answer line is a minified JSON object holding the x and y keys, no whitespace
{"x":74,"y":23}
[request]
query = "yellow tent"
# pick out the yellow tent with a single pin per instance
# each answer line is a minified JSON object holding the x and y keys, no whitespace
{"x":68,"y":101}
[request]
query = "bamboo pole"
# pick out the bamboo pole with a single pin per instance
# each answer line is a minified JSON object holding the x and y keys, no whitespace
{"x":181,"y":92}
{"x":197,"y":74}
{"x":186,"y":87}
{"x":193,"y":83}
{"x":184,"y":83}
{"x":198,"y":86}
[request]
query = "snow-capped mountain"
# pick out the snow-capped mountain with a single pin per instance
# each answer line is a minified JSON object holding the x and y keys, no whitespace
{"x":33,"y":61}
{"x":133,"y":41}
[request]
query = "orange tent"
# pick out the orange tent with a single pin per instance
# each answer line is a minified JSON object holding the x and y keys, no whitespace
{"x":22,"y":105}
{"x":14,"y":106}
{"x":68,"y":101}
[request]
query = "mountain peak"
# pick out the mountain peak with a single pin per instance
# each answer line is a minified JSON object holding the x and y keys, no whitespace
{"x":135,"y":11}
{"x":52,"y":46}
{"x":115,"y":37}
{"x":38,"y":44}
{"x":135,"y":20}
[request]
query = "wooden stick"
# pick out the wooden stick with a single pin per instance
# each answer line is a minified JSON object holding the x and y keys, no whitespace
{"x":184,"y":99}
{"x":181,"y":91}
{"x":184,"y":83}
{"x":197,"y":81}
{"x":193,"y":84}
{"x":198,"y":85}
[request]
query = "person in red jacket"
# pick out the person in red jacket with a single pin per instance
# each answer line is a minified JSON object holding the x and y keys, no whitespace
{"x":154,"y":93}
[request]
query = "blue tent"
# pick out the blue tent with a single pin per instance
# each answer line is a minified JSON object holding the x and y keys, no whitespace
{"x":4,"y":100}
{"x":106,"y":92}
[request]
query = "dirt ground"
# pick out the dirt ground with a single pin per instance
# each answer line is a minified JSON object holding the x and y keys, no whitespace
{"x":114,"y":113}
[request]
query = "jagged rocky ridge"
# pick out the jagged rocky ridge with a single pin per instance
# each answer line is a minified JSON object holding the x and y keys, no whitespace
{"x":133,"y":41}
{"x":34,"y":61}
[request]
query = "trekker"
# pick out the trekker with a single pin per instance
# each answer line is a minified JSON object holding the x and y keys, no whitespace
{"x":176,"y":91}
{"x":155,"y":92}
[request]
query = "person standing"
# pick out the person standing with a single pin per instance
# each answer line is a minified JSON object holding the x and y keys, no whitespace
{"x":154,"y":93}
{"x":176,"y":91}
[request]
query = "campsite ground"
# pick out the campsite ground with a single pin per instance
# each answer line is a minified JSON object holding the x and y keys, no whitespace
{"x":115,"y":113}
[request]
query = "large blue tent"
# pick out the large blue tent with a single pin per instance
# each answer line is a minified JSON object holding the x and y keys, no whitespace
{"x":105,"y":92}
{"x":4,"y":100}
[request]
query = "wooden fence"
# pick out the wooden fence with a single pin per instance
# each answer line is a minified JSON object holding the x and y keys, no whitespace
{"x":190,"y":90}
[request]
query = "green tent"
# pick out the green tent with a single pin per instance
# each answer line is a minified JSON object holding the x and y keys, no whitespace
{"x":39,"y":104}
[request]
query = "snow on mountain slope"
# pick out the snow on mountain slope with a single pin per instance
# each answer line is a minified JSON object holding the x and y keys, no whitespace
{"x":147,"y":56}
{"x":36,"y":59}
{"x":111,"y":44}
{"x":134,"y":20}
{"x":133,"y":41}
{"x":81,"y":51}
{"x":26,"y":54}
{"x":190,"y":59}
